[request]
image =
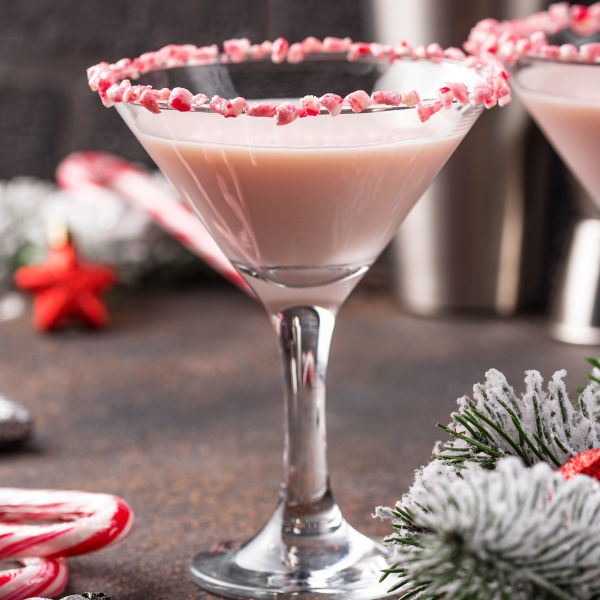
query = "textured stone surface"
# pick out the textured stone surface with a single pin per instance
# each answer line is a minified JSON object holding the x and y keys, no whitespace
{"x":177,"y":408}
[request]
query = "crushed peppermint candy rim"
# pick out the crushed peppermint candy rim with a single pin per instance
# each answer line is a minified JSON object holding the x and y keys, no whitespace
{"x":511,"y":40}
{"x":112,"y":81}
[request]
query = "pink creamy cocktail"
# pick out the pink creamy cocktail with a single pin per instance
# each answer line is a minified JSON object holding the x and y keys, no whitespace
{"x":302,"y":193}
{"x":564,"y":100}
{"x":317,"y":206}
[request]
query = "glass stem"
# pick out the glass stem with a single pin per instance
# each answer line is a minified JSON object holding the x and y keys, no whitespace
{"x":305,"y":335}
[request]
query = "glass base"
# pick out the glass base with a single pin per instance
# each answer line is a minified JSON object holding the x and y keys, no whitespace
{"x":296,"y":558}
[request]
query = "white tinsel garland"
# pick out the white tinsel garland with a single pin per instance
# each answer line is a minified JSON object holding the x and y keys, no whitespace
{"x":111,"y":232}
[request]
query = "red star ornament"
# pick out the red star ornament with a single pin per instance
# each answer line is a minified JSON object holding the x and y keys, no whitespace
{"x":64,"y":287}
{"x":586,"y":463}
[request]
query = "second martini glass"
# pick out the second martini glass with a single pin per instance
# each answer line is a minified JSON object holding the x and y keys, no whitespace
{"x":564,"y":99}
{"x":303,"y":211}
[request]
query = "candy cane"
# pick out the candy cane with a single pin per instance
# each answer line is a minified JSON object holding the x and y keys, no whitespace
{"x":82,"y":522}
{"x":37,"y":577}
{"x":94,"y":171}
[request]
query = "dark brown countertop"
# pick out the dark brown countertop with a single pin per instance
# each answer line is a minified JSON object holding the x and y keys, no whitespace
{"x":177,"y":408}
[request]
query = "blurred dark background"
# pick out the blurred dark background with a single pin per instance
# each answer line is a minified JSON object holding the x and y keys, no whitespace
{"x":47,"y":108}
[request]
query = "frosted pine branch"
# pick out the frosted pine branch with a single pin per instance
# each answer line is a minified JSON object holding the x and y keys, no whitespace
{"x":539,"y":426}
{"x":495,"y":423}
{"x":514,"y":533}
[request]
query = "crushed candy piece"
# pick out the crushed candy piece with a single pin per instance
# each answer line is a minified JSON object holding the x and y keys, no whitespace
{"x":280,"y":48}
{"x":228,"y":108}
{"x":149,"y":100}
{"x":481,"y":92}
{"x":358,"y":101}
{"x":426,"y":112}
{"x":287,"y":113}
{"x":446,"y":95}
{"x":312,"y":44}
{"x":333,"y":44}
{"x":387,"y":98}
{"x":295,"y":54}
{"x":311,"y":105}
{"x":460,"y":91}
{"x":180,"y":99}
{"x":333,"y":103}
{"x":199,"y":100}
{"x":238,"y":50}
{"x":358,"y":49}
{"x":262,"y":109}
{"x":410,"y":98}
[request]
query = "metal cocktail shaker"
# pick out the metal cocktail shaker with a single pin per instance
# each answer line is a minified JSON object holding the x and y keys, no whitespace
{"x":575,"y":302}
{"x":461,"y":246}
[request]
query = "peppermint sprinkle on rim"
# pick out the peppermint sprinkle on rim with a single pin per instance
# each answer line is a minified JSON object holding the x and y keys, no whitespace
{"x":113,"y":81}
{"x":511,"y":40}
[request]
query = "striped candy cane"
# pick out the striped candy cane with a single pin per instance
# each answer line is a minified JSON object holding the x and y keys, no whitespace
{"x":93,"y":171}
{"x":37,"y":577}
{"x":81,"y":522}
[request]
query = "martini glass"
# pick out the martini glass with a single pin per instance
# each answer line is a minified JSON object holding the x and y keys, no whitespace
{"x":564,"y":100}
{"x":302,"y":211}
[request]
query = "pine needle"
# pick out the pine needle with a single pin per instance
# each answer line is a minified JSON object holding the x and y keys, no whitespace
{"x":462,"y":535}
{"x":540,"y":540}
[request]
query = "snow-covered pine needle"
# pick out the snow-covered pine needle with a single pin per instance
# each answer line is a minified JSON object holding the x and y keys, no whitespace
{"x":538,"y":426}
{"x":494,"y":424}
{"x":514,"y":533}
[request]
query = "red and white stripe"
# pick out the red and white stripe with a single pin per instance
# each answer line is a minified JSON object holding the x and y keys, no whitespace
{"x":71,"y":524}
{"x":81,"y":522}
{"x":94,"y":171}
{"x":37,"y":577}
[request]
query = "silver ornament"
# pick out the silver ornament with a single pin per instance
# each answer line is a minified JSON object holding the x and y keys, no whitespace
{"x":16,"y":422}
